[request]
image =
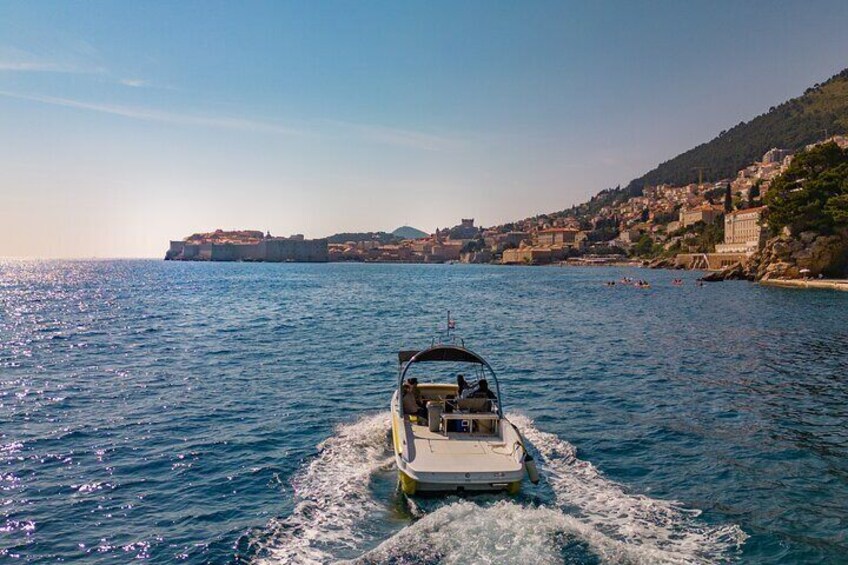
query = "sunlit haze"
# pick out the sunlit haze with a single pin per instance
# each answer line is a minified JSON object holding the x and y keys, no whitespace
{"x":126,"y":124}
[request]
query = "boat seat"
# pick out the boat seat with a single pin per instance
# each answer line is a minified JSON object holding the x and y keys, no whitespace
{"x":474,"y":404}
{"x":485,"y":426}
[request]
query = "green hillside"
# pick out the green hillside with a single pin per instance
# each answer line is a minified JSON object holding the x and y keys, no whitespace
{"x":791,"y":125}
{"x":408,"y":232}
{"x":379,"y":236}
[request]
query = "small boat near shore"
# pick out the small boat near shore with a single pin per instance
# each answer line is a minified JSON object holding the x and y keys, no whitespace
{"x":458,"y":439}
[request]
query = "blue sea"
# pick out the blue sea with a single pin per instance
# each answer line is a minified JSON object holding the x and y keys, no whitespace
{"x":237,"y":413}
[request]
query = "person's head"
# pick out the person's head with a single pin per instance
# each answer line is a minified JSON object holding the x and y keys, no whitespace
{"x":483,"y":386}
{"x":413,"y":382}
{"x":460,"y":380}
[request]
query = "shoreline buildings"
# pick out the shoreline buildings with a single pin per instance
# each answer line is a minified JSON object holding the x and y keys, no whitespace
{"x":551,"y":244}
{"x":463,"y":242}
{"x":743,"y":231}
{"x":744,"y":235}
{"x":247,"y":245}
{"x":679,"y":224}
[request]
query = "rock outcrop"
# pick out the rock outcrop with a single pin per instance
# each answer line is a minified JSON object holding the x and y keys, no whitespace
{"x":663,"y":263}
{"x":734,"y":272}
{"x":808,"y":254}
{"x":790,"y":257}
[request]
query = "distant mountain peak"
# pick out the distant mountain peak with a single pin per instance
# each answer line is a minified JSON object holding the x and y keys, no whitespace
{"x":408,"y":232}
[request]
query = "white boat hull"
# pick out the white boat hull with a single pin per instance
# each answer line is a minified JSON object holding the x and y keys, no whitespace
{"x":441,"y":461}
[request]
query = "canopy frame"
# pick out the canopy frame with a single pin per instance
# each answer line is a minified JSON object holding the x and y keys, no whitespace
{"x":445,"y":353}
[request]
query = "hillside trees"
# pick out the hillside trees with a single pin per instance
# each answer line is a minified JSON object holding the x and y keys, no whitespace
{"x":754,"y":194}
{"x":812,"y":194}
{"x":791,"y":125}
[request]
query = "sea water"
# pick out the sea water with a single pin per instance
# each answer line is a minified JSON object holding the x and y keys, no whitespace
{"x":214,"y":413}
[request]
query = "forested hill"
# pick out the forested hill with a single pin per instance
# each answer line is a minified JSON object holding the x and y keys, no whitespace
{"x":792,"y":125}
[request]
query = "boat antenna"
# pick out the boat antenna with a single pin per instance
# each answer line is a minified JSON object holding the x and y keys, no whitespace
{"x":451,"y":329}
{"x":448,"y":336}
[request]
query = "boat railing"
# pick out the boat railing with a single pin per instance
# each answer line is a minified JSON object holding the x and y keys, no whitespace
{"x":471,"y":405}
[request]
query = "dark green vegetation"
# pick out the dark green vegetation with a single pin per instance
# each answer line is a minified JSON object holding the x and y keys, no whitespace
{"x":606,"y":197}
{"x":645,"y":247}
{"x":821,"y":110}
{"x":384,"y":238}
{"x":381,"y":236}
{"x":812,"y":195}
{"x":822,"y":206}
{"x":408,"y":232}
{"x":791,"y":125}
{"x":700,"y":237}
{"x":476,"y":244}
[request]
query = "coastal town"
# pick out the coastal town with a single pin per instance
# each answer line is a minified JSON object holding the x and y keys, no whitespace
{"x":700,"y":225}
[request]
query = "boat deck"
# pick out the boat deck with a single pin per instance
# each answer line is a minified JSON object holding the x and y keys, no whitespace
{"x":480,"y":452}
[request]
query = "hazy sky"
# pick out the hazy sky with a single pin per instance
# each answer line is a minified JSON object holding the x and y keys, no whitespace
{"x":126,"y":124}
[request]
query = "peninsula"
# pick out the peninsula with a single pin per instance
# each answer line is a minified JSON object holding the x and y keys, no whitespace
{"x":247,"y":245}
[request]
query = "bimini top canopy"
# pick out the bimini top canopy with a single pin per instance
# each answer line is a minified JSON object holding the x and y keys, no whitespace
{"x":453,"y":353}
{"x":441,"y":353}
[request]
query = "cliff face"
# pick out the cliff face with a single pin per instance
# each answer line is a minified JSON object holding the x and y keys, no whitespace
{"x":784,"y":256}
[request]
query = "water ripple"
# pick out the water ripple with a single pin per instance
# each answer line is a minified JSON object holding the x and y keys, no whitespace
{"x":171,"y":411}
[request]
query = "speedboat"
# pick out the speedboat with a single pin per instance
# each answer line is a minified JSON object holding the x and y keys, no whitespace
{"x":458,"y":440}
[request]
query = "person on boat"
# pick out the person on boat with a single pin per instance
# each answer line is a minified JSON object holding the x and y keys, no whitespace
{"x":461,"y":384}
{"x":416,"y":391}
{"x":412,"y":405}
{"x":483,"y":391}
{"x":469,"y":390}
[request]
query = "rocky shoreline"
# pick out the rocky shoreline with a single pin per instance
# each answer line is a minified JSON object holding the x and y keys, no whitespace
{"x":787,"y":257}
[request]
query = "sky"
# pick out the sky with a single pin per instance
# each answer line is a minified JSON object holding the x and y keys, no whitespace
{"x":126,"y":124}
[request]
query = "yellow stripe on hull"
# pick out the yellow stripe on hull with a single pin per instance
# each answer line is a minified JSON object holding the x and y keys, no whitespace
{"x":396,"y":433}
{"x":407,"y":484}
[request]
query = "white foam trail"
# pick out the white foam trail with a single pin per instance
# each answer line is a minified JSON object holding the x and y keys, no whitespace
{"x":331,"y":496}
{"x":659,"y":530}
{"x":501,"y":533}
{"x":334,"y":503}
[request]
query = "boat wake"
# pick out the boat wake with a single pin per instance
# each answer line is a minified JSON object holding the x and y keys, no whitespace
{"x":588,"y":517}
{"x":332,"y":497}
{"x":651,"y":530}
